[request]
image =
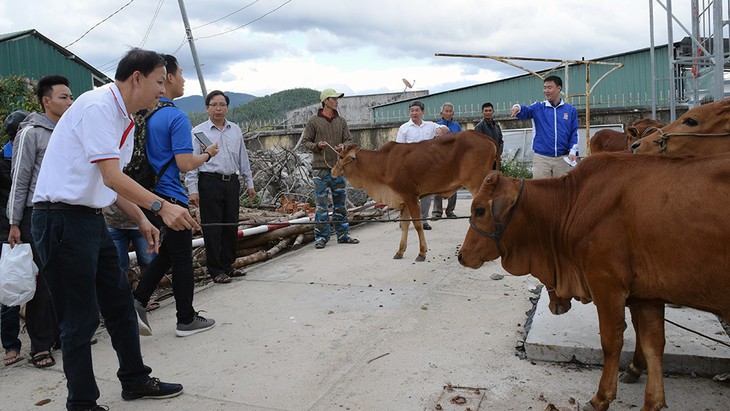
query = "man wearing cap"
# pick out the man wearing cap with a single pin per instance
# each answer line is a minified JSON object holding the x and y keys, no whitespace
{"x":325,"y":133}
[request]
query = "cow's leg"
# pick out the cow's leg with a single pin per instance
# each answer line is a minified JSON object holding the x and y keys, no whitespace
{"x":611,"y":317}
{"x":404,"y":215}
{"x":651,"y":331}
{"x":638,"y":363}
{"x":414,"y":207}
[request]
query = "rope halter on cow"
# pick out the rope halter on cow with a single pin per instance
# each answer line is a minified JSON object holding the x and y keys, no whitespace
{"x":352,"y":159}
{"x":499,"y":227}
{"x":661,"y":141}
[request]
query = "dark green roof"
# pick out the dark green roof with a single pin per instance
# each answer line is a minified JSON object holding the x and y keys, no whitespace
{"x":99,"y":78}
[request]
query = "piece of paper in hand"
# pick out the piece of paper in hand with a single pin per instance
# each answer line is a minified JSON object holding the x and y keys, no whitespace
{"x":570,"y":162}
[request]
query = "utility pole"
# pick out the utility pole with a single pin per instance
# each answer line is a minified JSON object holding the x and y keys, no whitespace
{"x":189,"y":34}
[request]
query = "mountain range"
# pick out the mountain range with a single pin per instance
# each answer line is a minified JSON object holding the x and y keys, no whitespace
{"x":196,"y":104}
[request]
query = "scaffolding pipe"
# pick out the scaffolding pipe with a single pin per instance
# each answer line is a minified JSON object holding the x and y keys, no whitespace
{"x":198,"y":242}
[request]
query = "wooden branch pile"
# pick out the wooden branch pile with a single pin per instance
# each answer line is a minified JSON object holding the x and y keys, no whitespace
{"x":282,"y":178}
{"x":282,"y":172}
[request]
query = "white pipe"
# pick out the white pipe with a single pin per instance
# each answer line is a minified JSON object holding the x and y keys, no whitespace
{"x":197,"y":242}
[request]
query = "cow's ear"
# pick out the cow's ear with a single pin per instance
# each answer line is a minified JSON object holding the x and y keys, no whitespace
{"x":725,"y":106}
{"x":633,"y":132}
{"x":500,"y":208}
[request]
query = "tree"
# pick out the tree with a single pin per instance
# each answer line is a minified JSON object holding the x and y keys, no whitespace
{"x":16,"y":93}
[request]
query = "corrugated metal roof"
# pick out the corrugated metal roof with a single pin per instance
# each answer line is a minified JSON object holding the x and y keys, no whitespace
{"x":629,"y":86}
{"x":20,"y":55}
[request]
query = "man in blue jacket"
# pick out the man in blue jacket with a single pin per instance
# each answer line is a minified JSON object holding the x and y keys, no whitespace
{"x":555,"y":130}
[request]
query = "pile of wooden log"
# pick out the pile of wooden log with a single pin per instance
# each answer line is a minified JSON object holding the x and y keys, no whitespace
{"x":283,"y":182}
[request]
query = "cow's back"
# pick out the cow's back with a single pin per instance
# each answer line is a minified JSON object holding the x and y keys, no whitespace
{"x":437,"y":166}
{"x":659,"y":223}
{"x":608,"y":140}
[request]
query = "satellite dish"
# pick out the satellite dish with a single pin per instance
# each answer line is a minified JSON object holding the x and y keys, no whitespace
{"x":408,"y":84}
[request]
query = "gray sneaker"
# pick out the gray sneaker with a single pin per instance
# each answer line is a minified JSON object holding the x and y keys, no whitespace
{"x":144,"y":325}
{"x":198,"y":325}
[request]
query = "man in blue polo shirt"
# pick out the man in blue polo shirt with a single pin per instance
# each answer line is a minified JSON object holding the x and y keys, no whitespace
{"x":169,"y":142}
{"x":447,"y":119}
{"x":555,"y":129}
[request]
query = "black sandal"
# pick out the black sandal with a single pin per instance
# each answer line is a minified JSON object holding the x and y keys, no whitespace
{"x":349,"y":240}
{"x":38,"y":360}
{"x":222,"y":279}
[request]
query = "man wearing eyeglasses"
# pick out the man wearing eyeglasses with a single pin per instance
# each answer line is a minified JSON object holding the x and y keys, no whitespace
{"x":216,"y":188}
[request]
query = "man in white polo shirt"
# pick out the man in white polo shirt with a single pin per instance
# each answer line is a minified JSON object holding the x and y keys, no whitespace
{"x":81,"y":173}
{"x":416,"y":130}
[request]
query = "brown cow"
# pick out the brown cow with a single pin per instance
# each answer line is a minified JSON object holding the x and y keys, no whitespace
{"x":612,"y":140}
{"x":571,"y":233}
{"x":399,"y":174}
{"x":701,"y":131}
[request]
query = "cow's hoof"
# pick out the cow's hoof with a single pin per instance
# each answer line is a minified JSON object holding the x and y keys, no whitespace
{"x":590,"y":407}
{"x":630,"y":376}
{"x":421,"y":257}
{"x":397,"y":256}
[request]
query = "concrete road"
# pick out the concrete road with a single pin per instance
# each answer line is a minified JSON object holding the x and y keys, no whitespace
{"x":349,"y":328}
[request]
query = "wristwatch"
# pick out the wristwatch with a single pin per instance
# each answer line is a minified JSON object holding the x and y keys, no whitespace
{"x":156,"y":206}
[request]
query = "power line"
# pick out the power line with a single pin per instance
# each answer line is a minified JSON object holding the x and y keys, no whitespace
{"x":95,"y":25}
{"x":250,"y":22}
{"x":152,"y":23}
{"x":228,"y":15}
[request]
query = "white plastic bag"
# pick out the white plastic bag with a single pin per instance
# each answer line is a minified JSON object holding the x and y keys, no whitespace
{"x":17,"y":275}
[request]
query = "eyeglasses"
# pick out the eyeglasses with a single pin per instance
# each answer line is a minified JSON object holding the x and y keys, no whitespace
{"x":215,"y":105}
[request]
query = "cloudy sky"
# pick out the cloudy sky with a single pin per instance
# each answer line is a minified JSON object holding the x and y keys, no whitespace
{"x":260,"y":47}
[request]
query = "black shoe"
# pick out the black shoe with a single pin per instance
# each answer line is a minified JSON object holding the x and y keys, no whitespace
{"x":436,"y":217}
{"x":153,"y":388}
{"x":451,"y":215}
{"x":426,"y":226}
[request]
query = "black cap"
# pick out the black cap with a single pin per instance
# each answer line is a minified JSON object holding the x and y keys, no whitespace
{"x":13,"y":120}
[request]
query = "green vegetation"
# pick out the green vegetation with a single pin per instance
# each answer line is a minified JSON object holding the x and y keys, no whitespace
{"x":268,"y":108}
{"x":16,"y":93}
{"x":516,"y":168}
{"x":273,"y":107}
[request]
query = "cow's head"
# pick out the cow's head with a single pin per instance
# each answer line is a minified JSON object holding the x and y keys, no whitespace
{"x":491,"y":211}
{"x":346,"y":156}
{"x":641,"y":128}
{"x":703,"y":130}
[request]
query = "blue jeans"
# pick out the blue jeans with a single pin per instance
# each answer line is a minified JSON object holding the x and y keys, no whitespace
{"x":324,"y":184}
{"x":81,"y":267}
{"x":122,"y":237}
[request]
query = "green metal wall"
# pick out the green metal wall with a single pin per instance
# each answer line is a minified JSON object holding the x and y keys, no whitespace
{"x":629,"y":86}
{"x":29,"y":56}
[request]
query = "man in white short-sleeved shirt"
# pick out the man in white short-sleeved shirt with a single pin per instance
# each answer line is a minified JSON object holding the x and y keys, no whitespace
{"x":417,"y":130}
{"x":80,"y":174}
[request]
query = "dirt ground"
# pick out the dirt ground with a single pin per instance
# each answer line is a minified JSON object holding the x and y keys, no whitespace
{"x":349,"y":328}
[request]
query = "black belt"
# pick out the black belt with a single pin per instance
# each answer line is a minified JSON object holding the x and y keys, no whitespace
{"x":46,"y":205}
{"x":219,"y":176}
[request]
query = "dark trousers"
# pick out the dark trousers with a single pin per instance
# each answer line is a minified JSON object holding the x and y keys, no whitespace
{"x":40,"y":320}
{"x":438,"y":206}
{"x":81,"y":267}
{"x":219,"y":203}
{"x":10,"y":327}
{"x":176,"y":252}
